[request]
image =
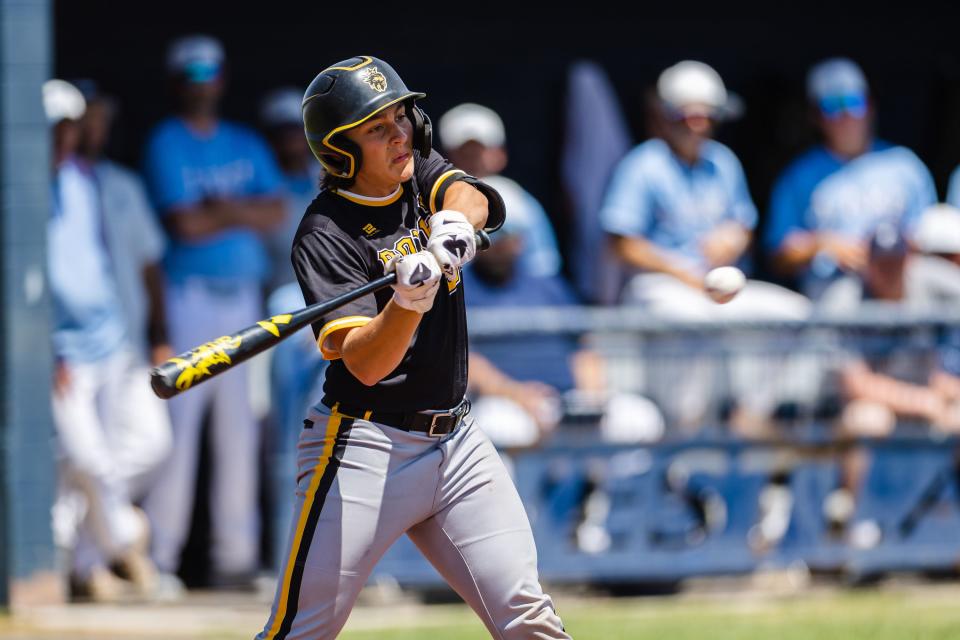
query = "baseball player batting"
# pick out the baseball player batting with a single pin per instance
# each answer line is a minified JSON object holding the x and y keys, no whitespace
{"x":391,"y":448}
{"x":210,"y":359}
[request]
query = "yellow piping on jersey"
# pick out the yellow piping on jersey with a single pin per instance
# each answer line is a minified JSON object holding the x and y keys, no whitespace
{"x":436,"y":188}
{"x":330,"y":439}
{"x":346,"y":322}
{"x":372,"y":202}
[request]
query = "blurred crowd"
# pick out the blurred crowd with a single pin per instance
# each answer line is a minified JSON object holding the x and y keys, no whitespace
{"x":195,"y":243}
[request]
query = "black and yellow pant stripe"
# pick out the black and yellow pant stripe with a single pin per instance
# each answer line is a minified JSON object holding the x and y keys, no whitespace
{"x":335,"y":441}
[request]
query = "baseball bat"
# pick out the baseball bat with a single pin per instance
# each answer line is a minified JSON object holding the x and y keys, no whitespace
{"x":205,"y":361}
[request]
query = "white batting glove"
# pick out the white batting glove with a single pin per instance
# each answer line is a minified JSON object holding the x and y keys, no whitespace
{"x":418,"y":278}
{"x":452,"y":241}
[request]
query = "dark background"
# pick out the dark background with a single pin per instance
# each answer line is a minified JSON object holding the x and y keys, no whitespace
{"x":515,"y":59}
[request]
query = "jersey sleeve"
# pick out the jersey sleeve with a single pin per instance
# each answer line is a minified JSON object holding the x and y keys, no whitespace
{"x":742,"y":209}
{"x":923,"y":195}
{"x":328,"y":265}
{"x":626,"y":209}
{"x":151,"y":242}
{"x":434,"y":175}
{"x":953,"y":188}
{"x":787,"y":207}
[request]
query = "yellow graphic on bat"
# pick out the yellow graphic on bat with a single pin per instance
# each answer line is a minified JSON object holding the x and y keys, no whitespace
{"x":271,"y":324}
{"x":197,"y":365}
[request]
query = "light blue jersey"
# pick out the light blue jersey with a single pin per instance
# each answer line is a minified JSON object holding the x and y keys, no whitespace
{"x":525,"y":215}
{"x":87,"y":316}
{"x":656,"y":195}
{"x":953,"y":188}
{"x":183,"y":168}
{"x":820,"y":192}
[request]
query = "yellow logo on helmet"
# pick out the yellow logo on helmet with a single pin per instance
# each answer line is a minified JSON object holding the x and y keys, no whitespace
{"x":375,"y":79}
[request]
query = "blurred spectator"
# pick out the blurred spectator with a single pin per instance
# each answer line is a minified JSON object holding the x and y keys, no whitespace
{"x":827,"y":202}
{"x":216,"y":186}
{"x":299,"y":175}
{"x":885,"y":385}
{"x":519,"y":387}
{"x":296,"y":365}
{"x":953,"y":188}
{"x":134,"y":235}
{"x":678,"y":206}
{"x":935,"y":269}
{"x":893,"y":274}
{"x":112,"y":432}
{"x":474,"y":139}
{"x":596,"y":137}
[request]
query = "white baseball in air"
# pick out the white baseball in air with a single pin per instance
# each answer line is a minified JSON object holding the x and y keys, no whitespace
{"x":724,"y":283}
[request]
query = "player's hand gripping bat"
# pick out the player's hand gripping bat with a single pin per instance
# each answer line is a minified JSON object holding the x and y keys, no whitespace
{"x":207,"y":360}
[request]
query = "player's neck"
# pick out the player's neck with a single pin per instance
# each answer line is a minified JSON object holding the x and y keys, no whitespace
{"x":363,"y":186}
{"x":203,"y":124}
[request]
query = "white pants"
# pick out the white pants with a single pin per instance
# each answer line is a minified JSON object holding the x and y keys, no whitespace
{"x":666,"y":297}
{"x":112,"y":435}
{"x":198,"y":314}
{"x":685,"y":385}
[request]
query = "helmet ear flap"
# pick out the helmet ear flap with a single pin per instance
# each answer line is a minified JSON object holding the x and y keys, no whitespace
{"x":339,"y":164}
{"x":422,"y":129}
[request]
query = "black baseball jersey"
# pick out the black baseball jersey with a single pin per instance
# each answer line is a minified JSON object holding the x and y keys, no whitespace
{"x":343,"y":242}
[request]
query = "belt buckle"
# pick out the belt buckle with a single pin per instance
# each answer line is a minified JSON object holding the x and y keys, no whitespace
{"x":433,"y":423}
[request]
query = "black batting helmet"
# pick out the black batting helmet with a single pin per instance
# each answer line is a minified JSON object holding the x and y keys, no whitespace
{"x":345,"y":95}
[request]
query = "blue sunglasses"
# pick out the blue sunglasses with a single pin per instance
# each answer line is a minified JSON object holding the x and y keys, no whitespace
{"x":854,"y":105}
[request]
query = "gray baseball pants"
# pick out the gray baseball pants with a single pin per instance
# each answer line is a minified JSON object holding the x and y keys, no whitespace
{"x":361,"y":485}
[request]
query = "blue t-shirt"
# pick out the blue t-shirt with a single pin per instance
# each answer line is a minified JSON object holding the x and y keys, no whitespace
{"x":544,"y":357}
{"x":183,"y":168}
{"x":88,"y":322}
{"x":655,"y":195}
{"x":821,"y":192}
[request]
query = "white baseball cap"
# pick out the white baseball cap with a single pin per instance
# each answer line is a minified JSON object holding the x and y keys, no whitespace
{"x":836,"y":77}
{"x":282,"y":107}
{"x":470,"y":121}
{"x":199,"y":58}
{"x":62,"y":101}
{"x":938,"y":230}
{"x":692,"y":86}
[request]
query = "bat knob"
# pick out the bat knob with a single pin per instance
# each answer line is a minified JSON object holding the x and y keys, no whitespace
{"x":163,"y":381}
{"x":483,"y":240}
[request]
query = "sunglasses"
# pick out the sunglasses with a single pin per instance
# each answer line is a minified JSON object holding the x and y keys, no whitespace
{"x":201,"y":71}
{"x":854,"y":105}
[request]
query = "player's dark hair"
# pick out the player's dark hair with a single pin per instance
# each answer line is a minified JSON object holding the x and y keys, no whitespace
{"x":331,"y":182}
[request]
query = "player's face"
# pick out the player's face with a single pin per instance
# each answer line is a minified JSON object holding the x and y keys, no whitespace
{"x":386,"y":142}
{"x":687,"y":130}
{"x":66,"y":139}
{"x":201,"y":98}
{"x":847,"y":134}
{"x":95,"y":127}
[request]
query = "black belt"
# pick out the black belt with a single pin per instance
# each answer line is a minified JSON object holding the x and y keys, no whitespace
{"x":432,"y":423}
